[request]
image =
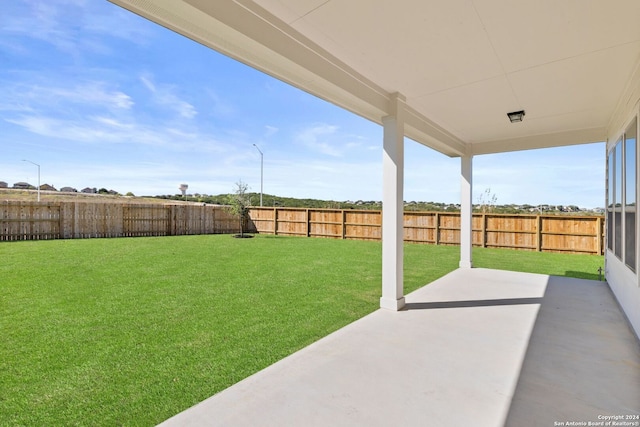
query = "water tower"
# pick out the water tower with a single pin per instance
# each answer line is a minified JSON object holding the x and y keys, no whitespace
{"x":183,"y":189}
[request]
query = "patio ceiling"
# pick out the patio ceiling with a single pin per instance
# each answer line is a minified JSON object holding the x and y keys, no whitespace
{"x":461,"y":65}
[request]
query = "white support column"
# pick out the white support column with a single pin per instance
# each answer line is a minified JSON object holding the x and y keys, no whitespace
{"x":393,"y":208}
{"x":466,"y":217}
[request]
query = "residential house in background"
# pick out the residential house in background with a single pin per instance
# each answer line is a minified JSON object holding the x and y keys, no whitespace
{"x":47,"y":187}
{"x":23,"y":186}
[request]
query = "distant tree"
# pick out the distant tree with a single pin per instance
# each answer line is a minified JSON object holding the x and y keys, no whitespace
{"x":238,"y":204}
{"x":332,"y":205}
{"x":130,"y":194}
{"x":103,"y":191}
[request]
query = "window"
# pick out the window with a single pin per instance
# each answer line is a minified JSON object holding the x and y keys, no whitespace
{"x":630,"y":172}
{"x":617,"y":200}
{"x":610,"y":198}
{"x":622,"y":197}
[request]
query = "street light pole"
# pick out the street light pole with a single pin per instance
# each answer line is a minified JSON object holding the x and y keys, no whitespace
{"x":29,"y":161}
{"x":261,"y":171}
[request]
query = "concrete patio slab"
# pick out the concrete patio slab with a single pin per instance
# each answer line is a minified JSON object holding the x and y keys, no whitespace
{"x":476,"y":347}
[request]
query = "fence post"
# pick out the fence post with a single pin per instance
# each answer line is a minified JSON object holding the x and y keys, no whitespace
{"x":275,"y":221}
{"x":344,"y":225}
{"x":308,"y":223}
{"x":539,"y":233}
{"x":484,"y":230}
{"x":599,"y":236}
{"x":437,"y":229}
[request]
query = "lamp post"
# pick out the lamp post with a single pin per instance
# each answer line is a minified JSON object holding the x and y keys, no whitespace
{"x":29,"y":161}
{"x":261,"y":171}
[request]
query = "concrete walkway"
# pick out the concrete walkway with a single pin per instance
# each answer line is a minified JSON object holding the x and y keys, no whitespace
{"x":477,"y":347}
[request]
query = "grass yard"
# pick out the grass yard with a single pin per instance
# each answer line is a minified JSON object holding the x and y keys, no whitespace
{"x":132,"y":331}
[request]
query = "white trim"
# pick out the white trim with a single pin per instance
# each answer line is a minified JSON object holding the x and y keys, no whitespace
{"x":558,"y":139}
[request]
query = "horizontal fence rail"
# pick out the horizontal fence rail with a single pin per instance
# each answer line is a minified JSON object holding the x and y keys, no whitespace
{"x":79,"y":220}
{"x":542,"y":233}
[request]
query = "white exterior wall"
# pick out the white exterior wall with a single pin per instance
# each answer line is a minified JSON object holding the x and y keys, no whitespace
{"x":625,"y":283}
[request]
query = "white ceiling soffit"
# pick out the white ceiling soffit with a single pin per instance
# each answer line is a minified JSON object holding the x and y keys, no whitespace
{"x":462,"y":65}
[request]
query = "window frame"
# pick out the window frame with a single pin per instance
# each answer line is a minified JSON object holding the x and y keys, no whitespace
{"x":630,"y":261}
{"x":615,"y":217}
{"x":609,"y":197}
{"x":621,"y":215}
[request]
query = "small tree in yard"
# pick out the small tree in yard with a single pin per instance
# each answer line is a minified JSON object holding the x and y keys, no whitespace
{"x":487,"y":201}
{"x":239,"y":204}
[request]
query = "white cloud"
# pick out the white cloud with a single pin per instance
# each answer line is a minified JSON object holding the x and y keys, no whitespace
{"x":95,"y":93}
{"x":317,"y":138}
{"x":99,"y":132}
{"x":107,"y":130}
{"x":20,"y":96}
{"x":185,"y":109}
{"x":117,"y":23}
{"x":164,"y":95}
{"x":270,"y":131}
{"x":219,"y":106}
{"x":71,"y":26}
{"x":108,"y":121}
{"x":146,"y":81}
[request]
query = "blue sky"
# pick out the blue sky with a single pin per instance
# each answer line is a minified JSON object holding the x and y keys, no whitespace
{"x":100,"y":97}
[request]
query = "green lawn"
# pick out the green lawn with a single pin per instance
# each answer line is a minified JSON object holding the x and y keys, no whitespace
{"x":132,"y":331}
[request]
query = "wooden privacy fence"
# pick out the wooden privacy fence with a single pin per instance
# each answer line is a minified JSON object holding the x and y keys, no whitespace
{"x":542,"y":233}
{"x":78,"y":220}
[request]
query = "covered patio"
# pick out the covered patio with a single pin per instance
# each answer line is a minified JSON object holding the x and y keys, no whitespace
{"x":476,"y":347}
